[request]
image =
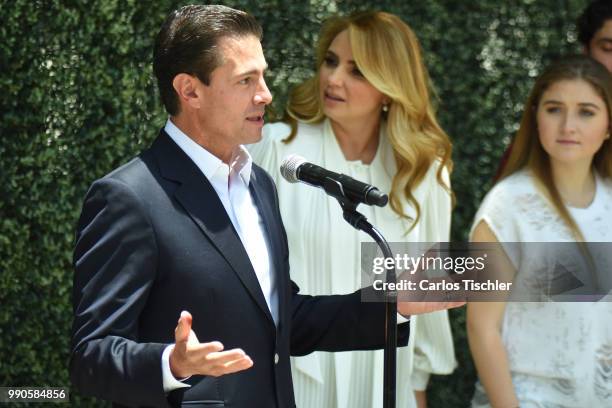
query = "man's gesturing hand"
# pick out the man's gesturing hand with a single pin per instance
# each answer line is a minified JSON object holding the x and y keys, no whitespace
{"x":190,"y":357}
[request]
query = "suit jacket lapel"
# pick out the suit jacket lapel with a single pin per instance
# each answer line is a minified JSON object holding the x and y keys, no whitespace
{"x":200,"y":201}
{"x":266,"y":212}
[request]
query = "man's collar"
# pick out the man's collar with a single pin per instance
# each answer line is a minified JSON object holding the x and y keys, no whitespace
{"x":240,"y":162}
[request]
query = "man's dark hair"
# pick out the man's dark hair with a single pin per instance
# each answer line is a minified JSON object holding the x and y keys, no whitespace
{"x":188,"y":43}
{"x":592,"y":20}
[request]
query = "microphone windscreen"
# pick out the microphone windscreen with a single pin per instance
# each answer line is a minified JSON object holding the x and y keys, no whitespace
{"x":289,"y":167}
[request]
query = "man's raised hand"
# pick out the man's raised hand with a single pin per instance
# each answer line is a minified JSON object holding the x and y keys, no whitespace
{"x":190,"y":357}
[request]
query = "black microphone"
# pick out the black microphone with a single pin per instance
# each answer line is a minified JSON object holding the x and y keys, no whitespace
{"x":295,"y":168}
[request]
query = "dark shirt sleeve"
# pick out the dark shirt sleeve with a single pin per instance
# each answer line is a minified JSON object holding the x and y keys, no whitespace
{"x":114,"y":261}
{"x":339,"y":323}
{"x":334,"y":322}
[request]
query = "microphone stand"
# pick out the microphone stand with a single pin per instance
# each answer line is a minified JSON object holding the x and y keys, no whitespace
{"x":360,"y":222}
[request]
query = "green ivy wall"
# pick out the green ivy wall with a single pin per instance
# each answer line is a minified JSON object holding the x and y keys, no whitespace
{"x":77,"y":99}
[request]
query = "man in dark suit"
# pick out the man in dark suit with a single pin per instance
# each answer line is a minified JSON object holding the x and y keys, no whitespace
{"x":192,"y":224}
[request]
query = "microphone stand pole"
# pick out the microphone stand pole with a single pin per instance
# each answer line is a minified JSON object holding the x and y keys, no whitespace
{"x":359,"y":221}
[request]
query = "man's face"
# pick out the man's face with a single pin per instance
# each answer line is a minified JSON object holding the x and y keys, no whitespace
{"x":600,"y":47}
{"x":233,"y":105}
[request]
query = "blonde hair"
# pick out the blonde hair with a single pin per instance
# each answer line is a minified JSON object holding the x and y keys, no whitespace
{"x":382,"y":42}
{"x":527,"y":151}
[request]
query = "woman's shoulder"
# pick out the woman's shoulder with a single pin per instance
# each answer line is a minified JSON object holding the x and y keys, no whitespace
{"x":604,"y":194}
{"x":512,"y":201}
{"x":431,"y":185}
{"x":278,"y":131}
{"x":502,"y":199}
{"x":513,"y":187}
{"x":273,"y":148}
{"x":265,"y":151}
{"x":436,"y":167}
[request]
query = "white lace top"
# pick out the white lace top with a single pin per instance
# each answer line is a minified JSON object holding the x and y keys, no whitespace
{"x":560,"y":353}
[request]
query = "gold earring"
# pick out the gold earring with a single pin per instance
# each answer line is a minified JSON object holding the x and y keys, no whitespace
{"x":385,"y":107}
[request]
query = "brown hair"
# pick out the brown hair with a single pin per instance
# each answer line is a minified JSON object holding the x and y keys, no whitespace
{"x":188,"y":43}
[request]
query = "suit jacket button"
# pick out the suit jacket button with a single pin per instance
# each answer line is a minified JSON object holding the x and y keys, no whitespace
{"x":276,"y":358}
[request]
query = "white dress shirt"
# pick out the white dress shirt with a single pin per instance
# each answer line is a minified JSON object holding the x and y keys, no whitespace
{"x":231,"y":183}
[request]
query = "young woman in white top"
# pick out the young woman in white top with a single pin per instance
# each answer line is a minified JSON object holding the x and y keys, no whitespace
{"x":367,"y":113}
{"x":556,"y":187}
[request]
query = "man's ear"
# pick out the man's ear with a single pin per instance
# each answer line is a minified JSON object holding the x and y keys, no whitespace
{"x":186,"y":87}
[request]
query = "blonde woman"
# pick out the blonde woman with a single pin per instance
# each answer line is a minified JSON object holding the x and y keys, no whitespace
{"x":556,"y":186}
{"x":366,"y":113}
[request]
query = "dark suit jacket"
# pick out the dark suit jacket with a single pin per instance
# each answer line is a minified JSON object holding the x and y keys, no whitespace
{"x":154,"y":239}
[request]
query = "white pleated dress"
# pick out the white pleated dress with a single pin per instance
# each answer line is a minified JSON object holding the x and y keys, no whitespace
{"x":325,"y":259}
